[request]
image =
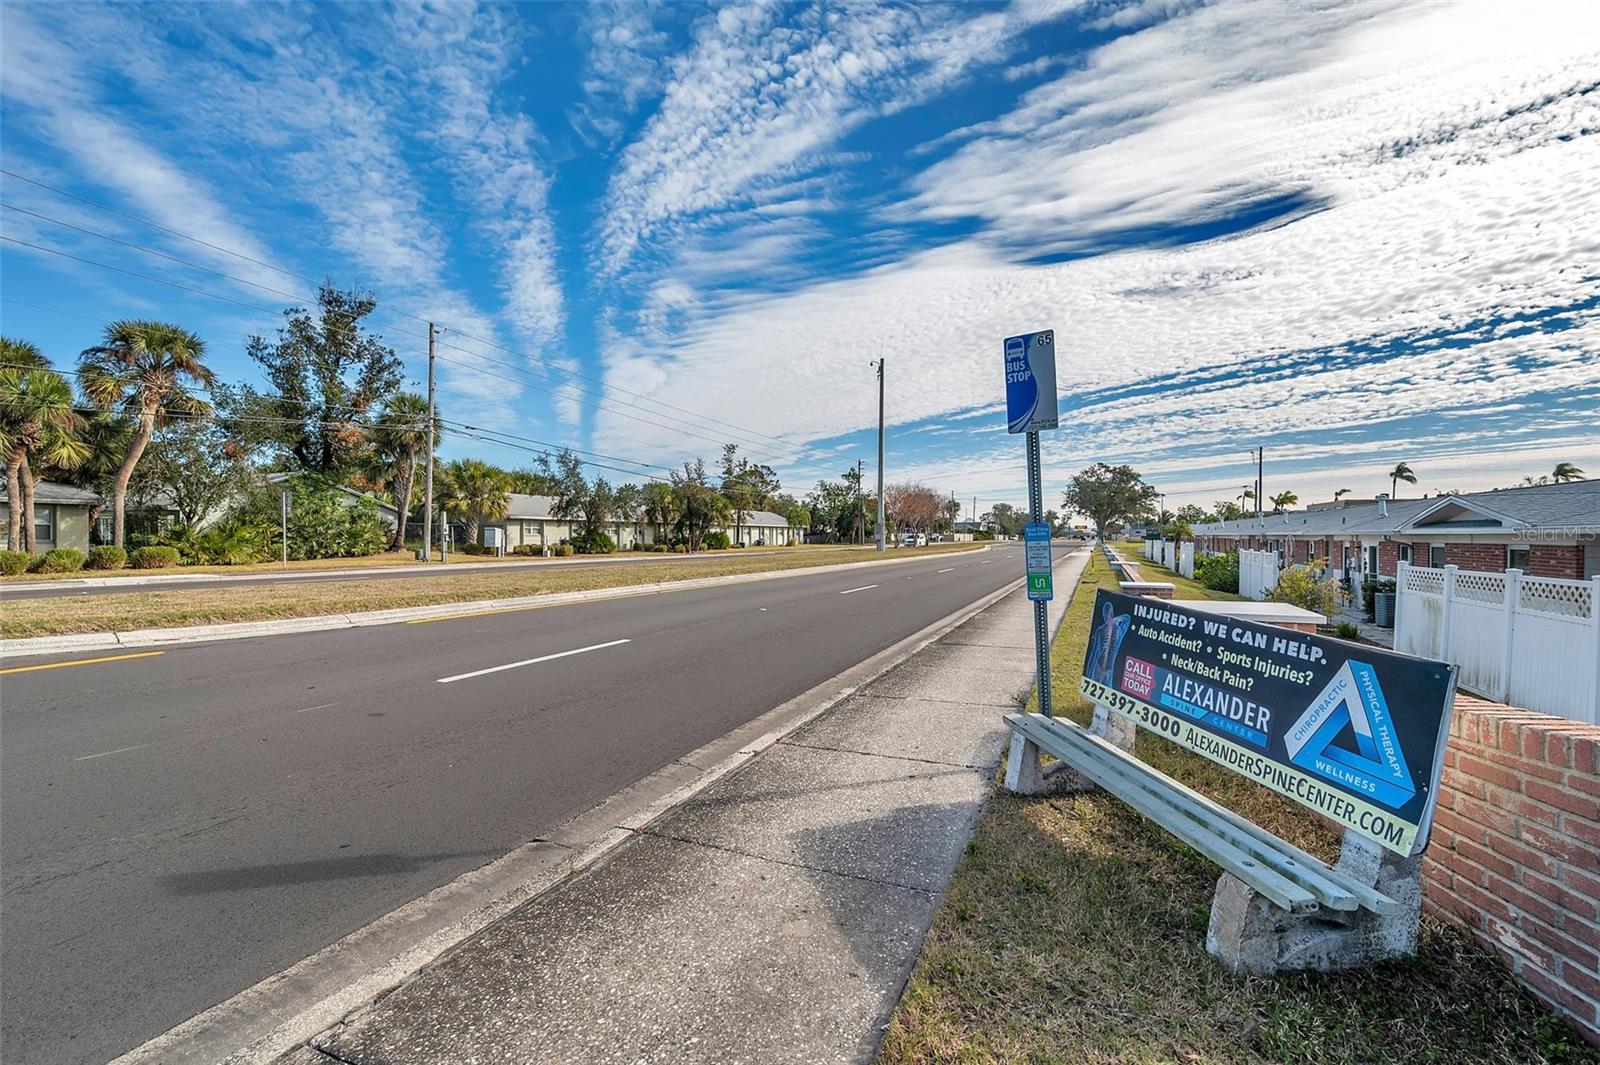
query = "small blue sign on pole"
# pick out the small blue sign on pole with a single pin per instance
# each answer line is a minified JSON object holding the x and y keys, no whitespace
{"x":1036,"y":560}
{"x":1031,"y":382}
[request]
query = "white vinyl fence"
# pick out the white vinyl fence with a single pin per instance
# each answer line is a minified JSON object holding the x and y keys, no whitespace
{"x":1258,"y":573}
{"x":1527,"y":641}
{"x":1179,"y":559}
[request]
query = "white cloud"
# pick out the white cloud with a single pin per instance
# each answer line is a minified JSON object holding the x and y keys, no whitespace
{"x":1450,"y":150}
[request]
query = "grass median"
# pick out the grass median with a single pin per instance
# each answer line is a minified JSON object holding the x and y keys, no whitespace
{"x":264,"y":601}
{"x":1074,"y":931}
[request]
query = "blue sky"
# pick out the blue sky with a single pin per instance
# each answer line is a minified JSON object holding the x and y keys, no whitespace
{"x":1353,"y":233}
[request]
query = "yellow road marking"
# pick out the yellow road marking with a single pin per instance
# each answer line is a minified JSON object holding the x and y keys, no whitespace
{"x":81,"y":662}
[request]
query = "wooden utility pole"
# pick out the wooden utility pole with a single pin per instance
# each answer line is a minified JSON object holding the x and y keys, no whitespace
{"x":427,"y":492}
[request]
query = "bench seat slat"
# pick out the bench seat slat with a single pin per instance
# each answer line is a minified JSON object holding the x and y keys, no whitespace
{"x":1367,"y":896}
{"x":1316,"y":878}
{"x":1280,"y":889}
{"x":1200,"y":817}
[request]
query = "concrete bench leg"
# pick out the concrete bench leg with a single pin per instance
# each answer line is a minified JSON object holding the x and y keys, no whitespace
{"x":1115,"y":729}
{"x":1250,"y":934}
{"x":1025,"y":776}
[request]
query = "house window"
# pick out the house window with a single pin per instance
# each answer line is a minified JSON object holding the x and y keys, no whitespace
{"x":1372,"y":561}
{"x":1517,"y":556}
{"x":105,"y":529}
{"x":44,"y":525}
{"x":1436,"y":556}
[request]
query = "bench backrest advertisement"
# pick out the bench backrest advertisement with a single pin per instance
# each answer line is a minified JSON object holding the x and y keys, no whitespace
{"x":1356,"y":733}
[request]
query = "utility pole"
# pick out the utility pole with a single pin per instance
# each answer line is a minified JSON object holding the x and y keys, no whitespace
{"x":427,"y":493}
{"x":1261,"y":460}
{"x":881,"y":528}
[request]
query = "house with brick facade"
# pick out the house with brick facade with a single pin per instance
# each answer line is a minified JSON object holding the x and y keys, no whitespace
{"x":1544,"y":530}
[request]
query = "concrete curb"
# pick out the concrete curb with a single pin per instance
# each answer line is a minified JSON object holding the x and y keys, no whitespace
{"x":281,"y":1013}
{"x":96,"y":641}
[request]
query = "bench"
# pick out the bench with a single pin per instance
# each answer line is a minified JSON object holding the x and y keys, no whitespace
{"x":1276,"y":907}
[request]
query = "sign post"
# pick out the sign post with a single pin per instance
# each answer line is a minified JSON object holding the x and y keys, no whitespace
{"x":1030,"y":363}
{"x":286,"y":497}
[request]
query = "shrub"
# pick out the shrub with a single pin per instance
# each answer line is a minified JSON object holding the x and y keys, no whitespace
{"x":1220,"y":573}
{"x":593,"y":542}
{"x":153,"y":558}
{"x":58,"y":560}
{"x":14,"y":562}
{"x":230,"y":543}
{"x":364,"y":530}
{"x":1306,"y":588}
{"x":716,"y":540}
{"x":561,"y":550}
{"x":525,"y":549}
{"x":1346,"y":631}
{"x":106,"y":557}
{"x":470,"y":548}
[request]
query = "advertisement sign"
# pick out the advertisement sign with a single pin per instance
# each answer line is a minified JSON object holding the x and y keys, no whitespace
{"x":1356,"y":733}
{"x":1031,"y":382}
{"x":1036,"y":560}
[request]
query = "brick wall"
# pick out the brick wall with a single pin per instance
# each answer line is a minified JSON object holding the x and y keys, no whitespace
{"x":1388,"y":557}
{"x":1485,"y":558}
{"x":1515,"y":850}
{"x":1556,"y":560}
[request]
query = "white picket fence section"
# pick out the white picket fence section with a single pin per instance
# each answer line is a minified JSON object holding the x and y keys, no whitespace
{"x":1527,"y":641}
{"x":1179,"y":559}
{"x":1258,"y":573}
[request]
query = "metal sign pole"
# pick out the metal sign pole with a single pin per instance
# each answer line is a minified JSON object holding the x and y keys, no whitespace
{"x":285,"y":530}
{"x":1041,"y":608}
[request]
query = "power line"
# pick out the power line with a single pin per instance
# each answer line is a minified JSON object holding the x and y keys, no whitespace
{"x":290,"y":273}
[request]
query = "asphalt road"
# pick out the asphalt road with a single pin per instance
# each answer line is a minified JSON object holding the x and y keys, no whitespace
{"x":55,"y":589}
{"x":178,"y":826}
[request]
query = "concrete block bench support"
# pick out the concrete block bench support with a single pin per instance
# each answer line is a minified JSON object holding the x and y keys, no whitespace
{"x":1276,"y":908}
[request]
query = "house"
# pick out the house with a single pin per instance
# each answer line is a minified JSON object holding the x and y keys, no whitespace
{"x":530,"y":520}
{"x":1544,"y":530}
{"x":60,"y":516}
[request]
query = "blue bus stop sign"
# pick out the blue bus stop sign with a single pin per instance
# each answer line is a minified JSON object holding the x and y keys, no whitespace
{"x":1031,"y":382}
{"x":1036,"y":559}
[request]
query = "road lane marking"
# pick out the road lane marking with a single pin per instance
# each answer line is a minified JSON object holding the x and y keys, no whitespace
{"x":81,"y":662}
{"x":103,"y":754}
{"x":863,"y":588}
{"x":322,"y":706}
{"x":986,"y":561}
{"x":952,"y":569}
{"x":530,"y":661}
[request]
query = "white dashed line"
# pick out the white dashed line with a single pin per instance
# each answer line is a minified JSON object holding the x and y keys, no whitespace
{"x":322,"y":706}
{"x":103,"y":754}
{"x":863,"y":588}
{"x":530,"y":661}
{"x":952,"y":569}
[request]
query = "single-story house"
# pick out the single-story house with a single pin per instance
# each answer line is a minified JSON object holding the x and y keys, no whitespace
{"x":529,"y":520}
{"x":60,"y":516}
{"x":1543,"y":530}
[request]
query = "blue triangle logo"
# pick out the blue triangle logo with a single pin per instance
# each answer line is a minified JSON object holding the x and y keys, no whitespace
{"x":1377,"y":767}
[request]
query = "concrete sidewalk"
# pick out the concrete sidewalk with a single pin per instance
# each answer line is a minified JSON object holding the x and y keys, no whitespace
{"x":774,"y":917}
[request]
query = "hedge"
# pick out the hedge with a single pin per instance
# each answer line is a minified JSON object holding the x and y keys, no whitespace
{"x":14,"y":562}
{"x":106,"y":557}
{"x":154,"y":558}
{"x":58,"y":560}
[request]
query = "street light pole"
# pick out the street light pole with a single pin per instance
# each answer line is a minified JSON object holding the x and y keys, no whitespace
{"x":882,"y":546}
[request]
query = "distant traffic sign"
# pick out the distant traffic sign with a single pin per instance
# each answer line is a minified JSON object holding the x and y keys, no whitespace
{"x":1031,"y":382}
{"x":1036,"y":560}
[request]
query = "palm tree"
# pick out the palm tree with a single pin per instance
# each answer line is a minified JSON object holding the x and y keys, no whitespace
{"x":475,"y":492}
{"x":146,"y":369}
{"x":401,"y":437}
{"x":1566,"y":471}
{"x":1339,"y":492}
{"x":37,"y":422}
{"x":1401,"y":472}
{"x":1283,"y":501}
